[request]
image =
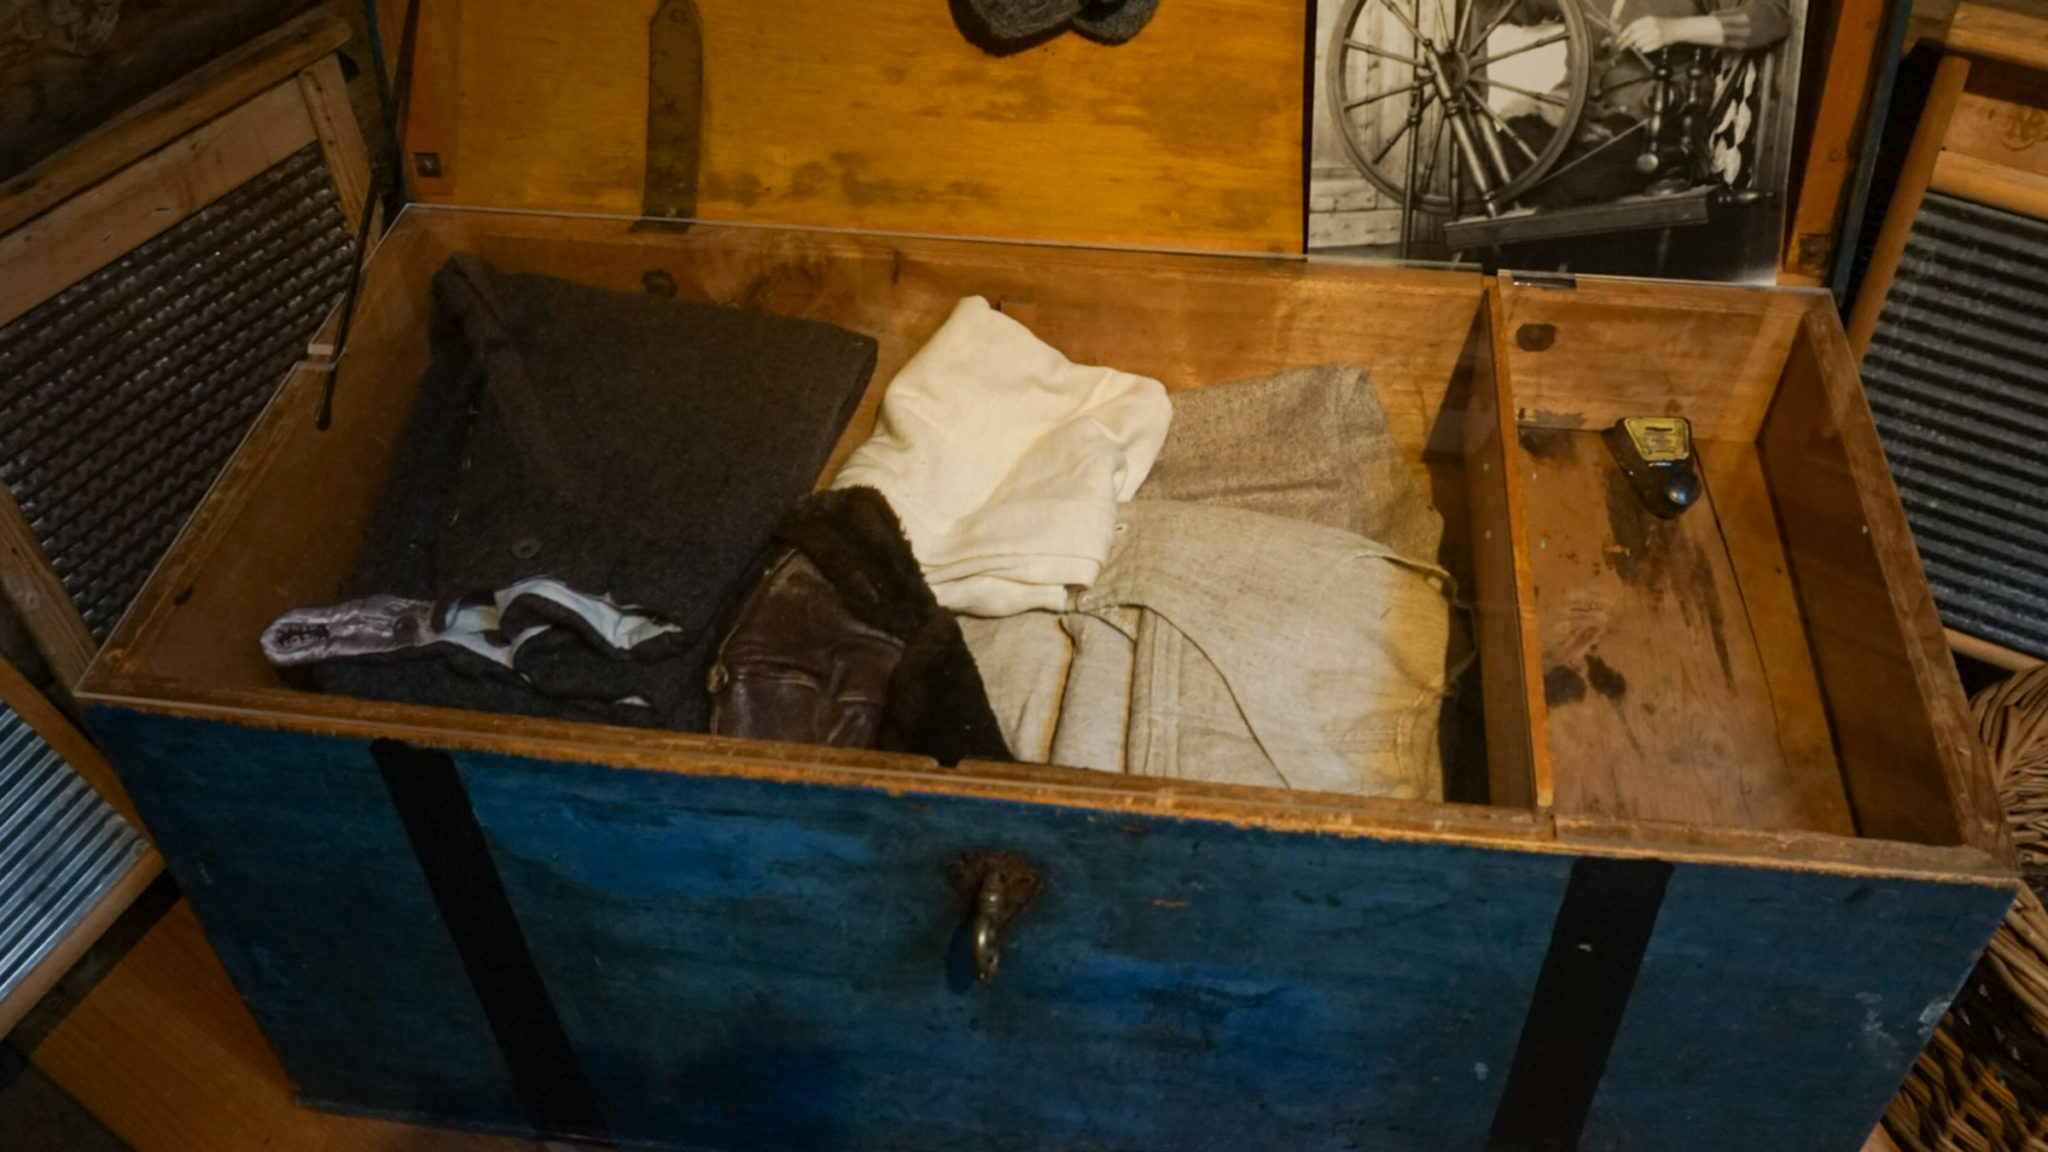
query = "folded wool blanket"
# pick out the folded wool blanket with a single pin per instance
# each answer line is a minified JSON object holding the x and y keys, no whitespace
{"x":1308,"y":444}
{"x":1006,"y":461}
{"x":1268,"y":614}
{"x":1240,"y":648}
{"x":635,"y":448}
{"x":1024,"y":661}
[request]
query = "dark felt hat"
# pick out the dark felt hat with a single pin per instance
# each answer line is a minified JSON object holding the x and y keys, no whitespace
{"x":1111,"y":21}
{"x":1023,"y":19}
{"x":1114,"y":21}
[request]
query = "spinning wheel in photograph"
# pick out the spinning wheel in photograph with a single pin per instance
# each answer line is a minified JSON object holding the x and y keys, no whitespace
{"x":1417,"y":90}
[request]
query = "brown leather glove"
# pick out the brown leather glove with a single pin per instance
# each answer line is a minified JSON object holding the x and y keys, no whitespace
{"x":843,"y":643}
{"x":799,"y":666}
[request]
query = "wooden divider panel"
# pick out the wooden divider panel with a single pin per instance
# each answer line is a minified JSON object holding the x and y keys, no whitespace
{"x":1504,"y":603}
{"x":1586,"y":356}
{"x":1909,"y":757}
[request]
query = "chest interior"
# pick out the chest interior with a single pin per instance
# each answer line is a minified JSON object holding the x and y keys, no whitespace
{"x":1754,"y":666}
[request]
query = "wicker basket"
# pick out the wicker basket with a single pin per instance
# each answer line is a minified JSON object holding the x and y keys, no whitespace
{"x":1982,"y":1083}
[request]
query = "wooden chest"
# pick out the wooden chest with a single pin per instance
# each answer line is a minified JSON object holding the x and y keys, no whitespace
{"x":1721,"y":849}
{"x":1732,"y":853}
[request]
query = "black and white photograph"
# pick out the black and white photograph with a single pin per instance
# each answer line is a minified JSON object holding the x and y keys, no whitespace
{"x":1615,"y":137}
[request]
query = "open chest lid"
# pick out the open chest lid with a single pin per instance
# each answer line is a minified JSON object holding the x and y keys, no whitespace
{"x":895,"y":118}
{"x":874,"y":117}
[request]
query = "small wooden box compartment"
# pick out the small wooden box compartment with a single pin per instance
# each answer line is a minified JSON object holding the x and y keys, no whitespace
{"x":1733,"y":853}
{"x":1770,"y":659}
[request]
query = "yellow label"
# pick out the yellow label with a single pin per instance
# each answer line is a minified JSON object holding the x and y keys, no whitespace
{"x":1660,"y":439}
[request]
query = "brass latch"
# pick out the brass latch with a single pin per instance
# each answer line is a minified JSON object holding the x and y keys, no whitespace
{"x":998,"y":887}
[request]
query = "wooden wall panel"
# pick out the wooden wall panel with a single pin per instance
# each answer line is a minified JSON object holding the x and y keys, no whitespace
{"x":1995,"y":124}
{"x":1612,"y":348}
{"x":50,"y":97}
{"x":91,"y":230}
{"x":1910,"y":757}
{"x":1504,"y":593}
{"x":1674,"y":668}
{"x":1841,"y":110}
{"x":1996,"y":149}
{"x":169,"y":113}
{"x":2000,"y":33}
{"x":883,"y":116}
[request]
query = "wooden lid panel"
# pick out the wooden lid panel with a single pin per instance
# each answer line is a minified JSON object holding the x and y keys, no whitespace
{"x":875,"y":115}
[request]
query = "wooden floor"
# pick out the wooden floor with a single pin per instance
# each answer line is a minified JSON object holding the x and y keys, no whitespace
{"x":166,"y":1056}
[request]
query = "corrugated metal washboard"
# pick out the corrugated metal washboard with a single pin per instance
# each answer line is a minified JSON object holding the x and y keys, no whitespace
{"x":61,"y":848}
{"x":1957,"y":375}
{"x":124,"y":395}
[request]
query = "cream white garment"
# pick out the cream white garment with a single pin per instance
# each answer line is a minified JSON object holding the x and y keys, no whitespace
{"x":1006,"y":461}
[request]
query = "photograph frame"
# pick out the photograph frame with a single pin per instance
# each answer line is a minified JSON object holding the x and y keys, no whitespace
{"x":1539,"y":135}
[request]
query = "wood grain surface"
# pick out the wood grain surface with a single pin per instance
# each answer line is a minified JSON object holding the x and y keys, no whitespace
{"x":2000,"y":33}
{"x":2001,"y":117}
{"x":341,"y":139}
{"x":1589,"y":356}
{"x":1995,"y":148}
{"x":1996,"y":655}
{"x":86,"y":232}
{"x":169,"y":113}
{"x":1836,"y":126}
{"x":1520,"y":772}
{"x":1915,"y":170}
{"x":1910,"y":757}
{"x":883,"y":116}
{"x":1988,"y":182}
{"x":431,"y":124}
{"x":1734,"y":477}
{"x":1660,"y":706}
{"x":37,"y":595}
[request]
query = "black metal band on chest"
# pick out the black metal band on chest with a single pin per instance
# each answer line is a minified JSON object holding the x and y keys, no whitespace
{"x":432,"y":803}
{"x":1597,"y":943}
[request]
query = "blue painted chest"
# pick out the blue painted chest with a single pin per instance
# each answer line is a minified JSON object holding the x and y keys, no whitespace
{"x":1720,"y":851}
